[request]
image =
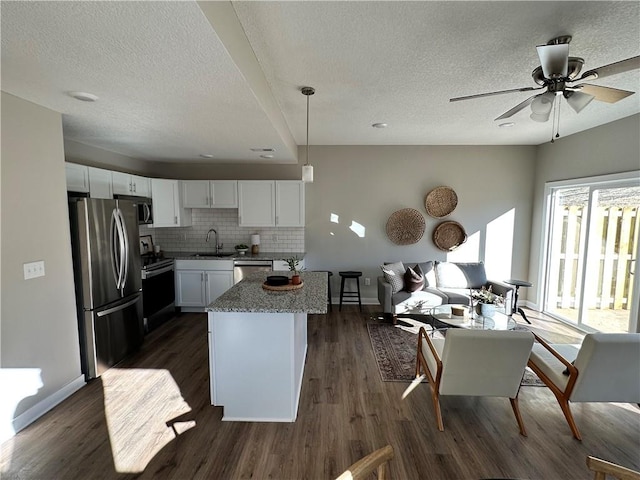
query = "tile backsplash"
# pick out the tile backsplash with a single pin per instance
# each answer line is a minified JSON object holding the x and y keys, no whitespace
{"x":225,"y":221}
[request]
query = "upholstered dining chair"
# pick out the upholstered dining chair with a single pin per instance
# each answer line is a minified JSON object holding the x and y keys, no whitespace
{"x":486,"y":363}
{"x":374,"y":462}
{"x":605,"y":368}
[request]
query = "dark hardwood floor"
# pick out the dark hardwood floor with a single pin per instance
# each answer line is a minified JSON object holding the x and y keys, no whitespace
{"x":150,"y":418}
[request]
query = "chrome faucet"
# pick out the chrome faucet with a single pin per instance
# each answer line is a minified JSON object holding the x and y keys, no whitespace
{"x":218,"y":245}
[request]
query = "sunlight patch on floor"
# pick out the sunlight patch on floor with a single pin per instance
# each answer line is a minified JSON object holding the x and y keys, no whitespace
{"x":138,"y":404}
{"x":414,"y":383}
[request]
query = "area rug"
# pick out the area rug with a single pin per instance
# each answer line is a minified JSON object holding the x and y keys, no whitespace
{"x":394,"y":347}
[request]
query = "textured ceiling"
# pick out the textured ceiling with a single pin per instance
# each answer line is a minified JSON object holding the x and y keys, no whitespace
{"x":180,"y":79}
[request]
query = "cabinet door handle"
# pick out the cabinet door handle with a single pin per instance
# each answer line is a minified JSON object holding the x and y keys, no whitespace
{"x":277,"y":220}
{"x":134,"y":187}
{"x":175,"y":220}
{"x":202,"y":276}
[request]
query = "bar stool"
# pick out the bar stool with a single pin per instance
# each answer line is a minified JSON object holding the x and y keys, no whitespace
{"x":350,"y":296}
{"x":329,"y":275}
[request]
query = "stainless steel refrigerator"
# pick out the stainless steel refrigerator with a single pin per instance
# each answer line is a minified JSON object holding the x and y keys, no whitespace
{"x":106,"y":257}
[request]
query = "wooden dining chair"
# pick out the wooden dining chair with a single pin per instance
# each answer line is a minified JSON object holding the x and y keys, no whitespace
{"x":374,"y":462}
{"x":602,"y":468}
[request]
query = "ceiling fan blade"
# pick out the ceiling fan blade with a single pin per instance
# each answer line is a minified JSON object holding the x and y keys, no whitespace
{"x":605,"y":94}
{"x":613,"y":68}
{"x":500,"y":92}
{"x":518,"y":107}
{"x":554,"y":59}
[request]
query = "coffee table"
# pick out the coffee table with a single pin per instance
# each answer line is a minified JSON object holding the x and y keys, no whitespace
{"x":499,"y":321}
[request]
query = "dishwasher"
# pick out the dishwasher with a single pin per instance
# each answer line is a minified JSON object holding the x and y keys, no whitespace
{"x":241,"y":268}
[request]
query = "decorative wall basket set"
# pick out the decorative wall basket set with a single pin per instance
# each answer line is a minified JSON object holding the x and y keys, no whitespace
{"x":406,"y":226}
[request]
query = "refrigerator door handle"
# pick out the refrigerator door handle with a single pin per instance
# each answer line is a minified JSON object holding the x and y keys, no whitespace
{"x":113,"y":235}
{"x":125,"y":257}
{"x":122,"y":249}
{"x":111,"y":310}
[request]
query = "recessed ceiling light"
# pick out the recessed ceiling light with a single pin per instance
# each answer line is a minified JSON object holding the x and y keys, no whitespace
{"x":84,"y":96}
{"x":379,"y":125}
{"x":263,"y":149}
{"x":506,"y":124}
{"x":206,"y":155}
{"x":266,"y":156}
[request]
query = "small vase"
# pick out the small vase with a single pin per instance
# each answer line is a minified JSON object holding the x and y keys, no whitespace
{"x":486,"y":309}
{"x":295,"y":280}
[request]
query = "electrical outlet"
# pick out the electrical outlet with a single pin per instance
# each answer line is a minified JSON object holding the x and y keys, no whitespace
{"x":33,"y":269}
{"x":367,"y":281}
{"x":275,"y":237}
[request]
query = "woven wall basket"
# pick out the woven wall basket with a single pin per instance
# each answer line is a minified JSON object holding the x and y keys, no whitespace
{"x":449,"y":235}
{"x":405,"y":226}
{"x":440,"y":202}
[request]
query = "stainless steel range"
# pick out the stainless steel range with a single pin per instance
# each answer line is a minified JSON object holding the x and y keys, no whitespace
{"x":158,"y":291}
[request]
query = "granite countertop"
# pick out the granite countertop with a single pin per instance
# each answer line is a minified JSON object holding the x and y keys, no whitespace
{"x":233,"y":256}
{"x":249,"y":296}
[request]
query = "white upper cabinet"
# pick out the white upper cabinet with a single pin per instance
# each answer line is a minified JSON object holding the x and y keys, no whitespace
{"x":167,"y":204}
{"x":127,"y":184}
{"x":224,"y":193}
{"x":100,"y":183}
{"x":77,"y":177}
{"x":210,"y":193}
{"x":256,"y":203}
{"x":271,"y":203}
{"x":289,"y":203}
{"x":141,"y":186}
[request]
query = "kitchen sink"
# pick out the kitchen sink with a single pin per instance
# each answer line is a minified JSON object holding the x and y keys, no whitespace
{"x":209,"y":255}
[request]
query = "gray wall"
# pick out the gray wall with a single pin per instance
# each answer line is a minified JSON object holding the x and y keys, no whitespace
{"x":38,"y":328}
{"x":611,"y":148}
{"x":367,"y":184}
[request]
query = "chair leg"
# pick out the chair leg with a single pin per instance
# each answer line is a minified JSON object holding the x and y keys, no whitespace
{"x":516,"y":412}
{"x":566,"y":409}
{"x":436,"y":406}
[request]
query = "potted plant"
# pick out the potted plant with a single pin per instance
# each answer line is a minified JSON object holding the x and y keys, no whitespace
{"x":293,"y":263}
{"x":486,"y":301}
{"x":241,"y":248}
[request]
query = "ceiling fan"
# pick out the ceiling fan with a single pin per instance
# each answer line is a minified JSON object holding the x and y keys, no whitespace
{"x":558,"y":74}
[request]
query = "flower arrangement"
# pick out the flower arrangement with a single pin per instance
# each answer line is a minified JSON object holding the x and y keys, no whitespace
{"x":485,"y":295}
{"x":293,"y":263}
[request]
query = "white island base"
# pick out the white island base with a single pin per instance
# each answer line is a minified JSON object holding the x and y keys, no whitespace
{"x":256,"y":363}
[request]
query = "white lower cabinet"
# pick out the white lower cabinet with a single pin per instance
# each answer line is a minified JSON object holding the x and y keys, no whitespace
{"x":200,"y":282}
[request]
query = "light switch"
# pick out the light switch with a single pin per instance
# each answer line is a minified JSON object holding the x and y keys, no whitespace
{"x":33,"y":269}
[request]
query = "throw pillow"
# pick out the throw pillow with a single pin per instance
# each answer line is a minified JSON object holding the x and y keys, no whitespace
{"x":394,"y":274}
{"x":428,"y":272}
{"x":413,"y":279}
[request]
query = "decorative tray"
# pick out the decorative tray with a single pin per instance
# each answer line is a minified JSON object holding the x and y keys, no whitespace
{"x":282,"y":288}
{"x":405,"y":227}
{"x":449,"y":235}
{"x":441,"y":201}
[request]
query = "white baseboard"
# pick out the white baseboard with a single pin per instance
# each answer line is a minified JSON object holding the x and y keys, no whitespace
{"x":32,"y":414}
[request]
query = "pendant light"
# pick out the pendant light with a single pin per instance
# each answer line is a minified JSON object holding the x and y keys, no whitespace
{"x":307,"y":170}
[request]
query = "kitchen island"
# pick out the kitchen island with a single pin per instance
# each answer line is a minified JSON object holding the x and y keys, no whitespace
{"x":258,"y":347}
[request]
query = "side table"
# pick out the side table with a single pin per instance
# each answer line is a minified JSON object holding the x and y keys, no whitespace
{"x":516,"y":308}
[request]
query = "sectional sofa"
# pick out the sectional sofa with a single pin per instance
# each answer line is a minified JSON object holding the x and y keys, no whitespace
{"x":444,"y":283}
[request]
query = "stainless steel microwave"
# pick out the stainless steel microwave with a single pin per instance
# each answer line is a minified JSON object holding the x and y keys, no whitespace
{"x":145,"y":212}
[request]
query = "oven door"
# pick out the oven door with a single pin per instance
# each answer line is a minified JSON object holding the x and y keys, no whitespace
{"x":158,"y":291}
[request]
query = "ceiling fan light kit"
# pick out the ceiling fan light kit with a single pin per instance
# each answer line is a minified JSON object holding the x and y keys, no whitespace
{"x":556,"y":73}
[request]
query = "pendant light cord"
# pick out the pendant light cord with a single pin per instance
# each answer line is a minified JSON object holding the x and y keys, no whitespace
{"x":307,"y":161}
